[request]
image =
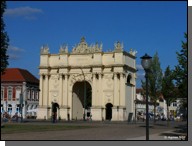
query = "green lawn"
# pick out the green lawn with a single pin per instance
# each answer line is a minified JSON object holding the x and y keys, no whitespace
{"x":16,"y":128}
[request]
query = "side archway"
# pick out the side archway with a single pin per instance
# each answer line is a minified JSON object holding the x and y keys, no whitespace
{"x":108,"y":111}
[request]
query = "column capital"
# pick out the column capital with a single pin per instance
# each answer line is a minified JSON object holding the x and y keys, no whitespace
{"x":115,"y":74}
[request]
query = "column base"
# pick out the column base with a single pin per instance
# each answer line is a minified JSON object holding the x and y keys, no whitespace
{"x":42,"y":113}
{"x":97,"y":113}
{"x":120,"y":115}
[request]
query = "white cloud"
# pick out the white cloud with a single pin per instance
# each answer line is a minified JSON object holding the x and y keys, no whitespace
{"x":21,"y":11}
{"x":30,"y":18}
{"x":15,"y":49}
{"x":14,"y":56}
{"x":139,"y":67}
{"x":140,"y":76}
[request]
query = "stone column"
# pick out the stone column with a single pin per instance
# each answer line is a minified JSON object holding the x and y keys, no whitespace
{"x":60,"y":89}
{"x":93,"y":90}
{"x":66,"y":91}
{"x":115,"y":90}
{"x":100,"y":90}
{"x":122,"y":86}
{"x":41,"y":90}
{"x":46,"y":96}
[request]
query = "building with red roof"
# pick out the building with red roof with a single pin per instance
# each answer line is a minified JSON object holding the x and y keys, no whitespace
{"x":14,"y":82}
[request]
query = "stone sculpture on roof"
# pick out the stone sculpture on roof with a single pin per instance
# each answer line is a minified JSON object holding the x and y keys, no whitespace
{"x":44,"y":50}
{"x":118,"y":47}
{"x":83,"y":47}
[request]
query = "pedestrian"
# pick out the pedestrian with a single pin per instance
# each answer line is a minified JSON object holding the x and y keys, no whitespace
{"x":68,"y":116}
{"x":16,"y":117}
{"x":90,"y":116}
{"x":55,"y":117}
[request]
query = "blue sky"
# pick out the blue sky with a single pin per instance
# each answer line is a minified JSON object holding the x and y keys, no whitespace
{"x":145,"y":26}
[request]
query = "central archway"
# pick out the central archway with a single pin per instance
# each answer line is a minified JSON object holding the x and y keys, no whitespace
{"x":78,"y":99}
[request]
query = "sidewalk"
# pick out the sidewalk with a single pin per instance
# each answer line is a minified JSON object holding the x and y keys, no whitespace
{"x":159,"y":136}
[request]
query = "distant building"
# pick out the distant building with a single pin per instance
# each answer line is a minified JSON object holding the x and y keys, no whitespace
{"x":141,"y":103}
{"x":14,"y":82}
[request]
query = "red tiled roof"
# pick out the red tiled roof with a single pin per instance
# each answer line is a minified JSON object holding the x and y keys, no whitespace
{"x":17,"y":74}
{"x":138,"y":90}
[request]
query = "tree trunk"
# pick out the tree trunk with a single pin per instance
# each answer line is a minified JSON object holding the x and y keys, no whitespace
{"x":154,"y":113}
{"x":167,"y":115}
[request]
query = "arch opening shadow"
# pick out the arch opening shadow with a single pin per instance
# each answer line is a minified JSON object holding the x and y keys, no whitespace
{"x":109,"y":111}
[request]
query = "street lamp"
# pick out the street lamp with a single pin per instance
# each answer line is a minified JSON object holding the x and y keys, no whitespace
{"x":84,"y":93}
{"x":135,"y":101}
{"x":146,"y":63}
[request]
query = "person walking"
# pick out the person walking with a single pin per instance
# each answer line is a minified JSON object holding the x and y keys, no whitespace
{"x":68,"y":116}
{"x":16,"y":117}
{"x":90,"y":117}
{"x":55,"y":117}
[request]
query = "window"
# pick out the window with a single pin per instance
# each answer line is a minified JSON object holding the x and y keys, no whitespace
{"x":2,"y":94}
{"x":28,"y":94}
{"x":129,"y":79}
{"x":36,"y":95}
{"x":169,"y":104}
{"x":175,"y":104}
{"x":32,"y":94}
{"x":9,"y":107}
{"x":9,"y":94}
{"x":18,"y":93}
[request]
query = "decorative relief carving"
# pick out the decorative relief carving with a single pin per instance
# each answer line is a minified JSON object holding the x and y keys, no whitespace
{"x":109,"y":97}
{"x":56,"y":82}
{"x":83,"y":47}
{"x":44,"y":50}
{"x":80,"y":78}
{"x":118,"y":47}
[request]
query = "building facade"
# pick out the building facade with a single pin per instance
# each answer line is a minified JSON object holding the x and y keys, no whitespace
{"x":141,"y":104}
{"x":111,"y":76}
{"x":13,"y":83}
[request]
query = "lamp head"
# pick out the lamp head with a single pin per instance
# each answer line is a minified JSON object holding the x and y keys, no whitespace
{"x":146,"y":61}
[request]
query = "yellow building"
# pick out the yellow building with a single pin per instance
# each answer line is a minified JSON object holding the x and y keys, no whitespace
{"x":111,"y":75}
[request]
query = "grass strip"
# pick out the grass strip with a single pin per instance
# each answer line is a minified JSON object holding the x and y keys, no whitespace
{"x":17,"y":128}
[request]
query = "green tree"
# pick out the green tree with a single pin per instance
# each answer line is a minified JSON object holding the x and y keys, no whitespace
{"x":4,"y":41}
{"x":180,"y":72}
{"x":154,"y":82}
{"x":168,"y":90}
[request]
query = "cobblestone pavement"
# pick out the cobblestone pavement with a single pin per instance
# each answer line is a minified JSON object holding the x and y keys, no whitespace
{"x":105,"y":131}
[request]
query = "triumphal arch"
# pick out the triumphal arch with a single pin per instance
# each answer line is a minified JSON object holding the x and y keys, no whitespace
{"x":111,"y":76}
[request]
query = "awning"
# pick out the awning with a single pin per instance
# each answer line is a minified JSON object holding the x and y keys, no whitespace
{"x":150,"y":114}
{"x":32,"y":110}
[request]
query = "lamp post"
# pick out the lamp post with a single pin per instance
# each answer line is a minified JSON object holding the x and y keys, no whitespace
{"x":21,"y":99}
{"x":146,"y":63}
{"x":84,"y":93}
{"x":52,"y":112}
{"x":135,"y":101}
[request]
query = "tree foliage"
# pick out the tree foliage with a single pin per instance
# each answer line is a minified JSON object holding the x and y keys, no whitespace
{"x":168,"y":90}
{"x":180,"y":72}
{"x":4,"y":41}
{"x":155,"y":80}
